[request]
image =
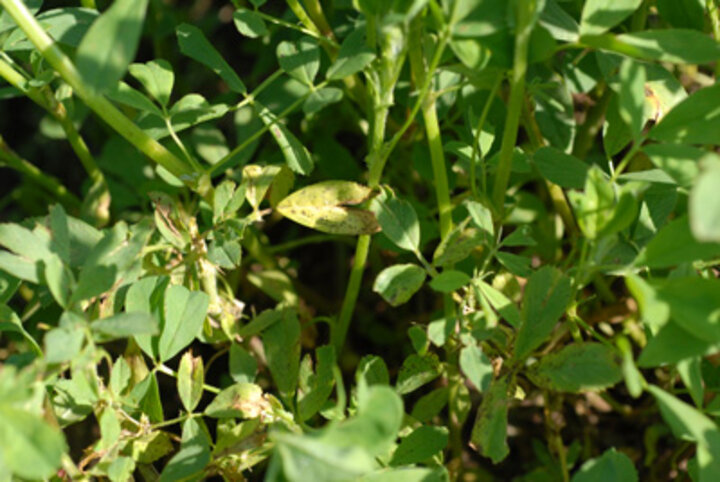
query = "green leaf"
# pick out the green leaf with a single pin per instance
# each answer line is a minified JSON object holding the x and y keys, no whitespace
{"x":593,"y":208}
{"x":315,"y":388}
{"x":242,"y":366}
{"x":63,"y":343}
{"x":187,"y":464}
{"x":321,"y":98}
{"x":194,"y":44}
{"x":282,"y":350}
{"x":547,"y":294}
{"x":429,"y":405}
{"x":146,"y":296}
{"x":241,"y":400}
{"x":296,"y":155}
{"x":190,"y":379}
{"x":124,"y":325}
{"x":691,"y":375}
{"x":599,"y":16}
{"x":687,"y":422}
{"x":704,"y":205}
{"x":157,"y":77}
{"x":476,"y":366}
{"x":354,"y":55}
{"x":481,"y":217}
{"x":559,"y":168}
{"x":398,"y":283}
{"x":679,"y":46}
{"x":577,"y":368}
{"x":110,"y":44}
{"x":671,"y":344}
{"x":683,"y":13}
{"x":183,"y":316}
{"x":449,"y":281}
{"x":693,"y":121}
{"x":327,"y":207}
{"x":421,"y":444}
{"x":489,"y":432}
{"x":23,"y":242}
{"x":398,"y":220}
{"x":249,"y":23}
{"x":500,"y":303}
{"x":302,"y":458}
{"x":693,"y":305}
{"x":66,"y":26}
{"x":29,"y":447}
{"x":59,"y":279}
{"x":678,"y":161}
{"x":612,"y":465}
{"x":407,"y":474}
{"x":675,"y":244}
{"x":416,"y":371}
{"x":125,"y":94}
{"x":458,"y":245}
{"x":372,"y":370}
{"x":300,"y":60}
{"x":632,"y":96}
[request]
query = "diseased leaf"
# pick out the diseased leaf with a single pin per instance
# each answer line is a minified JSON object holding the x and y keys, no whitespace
{"x":421,"y":444}
{"x":327,"y":207}
{"x":241,"y":400}
{"x":489,"y":432}
{"x":190,"y":379}
{"x":282,"y":349}
{"x":416,"y":371}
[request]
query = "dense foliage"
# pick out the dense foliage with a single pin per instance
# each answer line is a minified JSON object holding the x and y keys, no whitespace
{"x":376,"y":240}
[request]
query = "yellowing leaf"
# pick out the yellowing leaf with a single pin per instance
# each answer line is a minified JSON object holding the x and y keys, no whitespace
{"x":325,"y":206}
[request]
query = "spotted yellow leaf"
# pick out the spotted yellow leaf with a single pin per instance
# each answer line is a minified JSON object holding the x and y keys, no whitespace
{"x":327,"y":207}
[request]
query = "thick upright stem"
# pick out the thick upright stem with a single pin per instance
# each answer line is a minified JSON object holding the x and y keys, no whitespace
{"x":525,"y":12}
{"x":99,"y":104}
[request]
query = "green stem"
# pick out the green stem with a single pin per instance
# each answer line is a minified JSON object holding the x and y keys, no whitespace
{"x":99,"y":196}
{"x":525,"y":12}
{"x":382,"y":90}
{"x":315,"y":11}
{"x":304,"y":18}
{"x":99,"y":104}
{"x":714,"y":14}
{"x":49,"y":183}
{"x":351,"y":293}
{"x":476,"y":140}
